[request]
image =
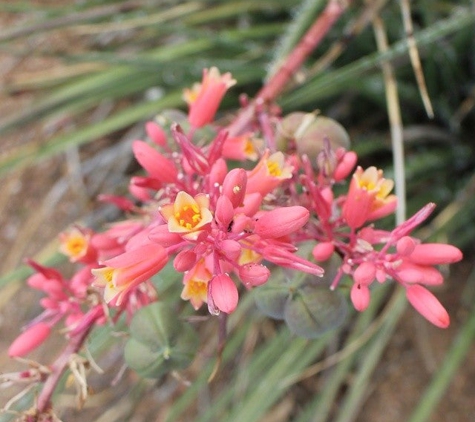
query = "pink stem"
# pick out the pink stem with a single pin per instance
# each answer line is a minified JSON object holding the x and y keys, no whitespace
{"x":293,"y":62}
{"x":61,"y":364}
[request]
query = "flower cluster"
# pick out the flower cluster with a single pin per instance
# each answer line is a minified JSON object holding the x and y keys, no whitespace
{"x":223,"y":220}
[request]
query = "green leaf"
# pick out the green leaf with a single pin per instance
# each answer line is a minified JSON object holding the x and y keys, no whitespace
{"x":160,"y":342}
{"x":314,"y":310}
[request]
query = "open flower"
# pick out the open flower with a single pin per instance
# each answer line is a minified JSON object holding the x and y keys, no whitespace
{"x":75,"y":243}
{"x":270,"y":172}
{"x":187,"y":216}
{"x":368,"y":194}
{"x":124,"y":272}
{"x":196,"y":284}
{"x":204,"y":99}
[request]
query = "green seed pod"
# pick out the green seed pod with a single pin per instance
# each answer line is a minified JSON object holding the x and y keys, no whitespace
{"x":314,"y":310}
{"x":307,"y":132}
{"x":159,"y":342}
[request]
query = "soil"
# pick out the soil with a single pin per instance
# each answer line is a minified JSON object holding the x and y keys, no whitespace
{"x":35,"y":206}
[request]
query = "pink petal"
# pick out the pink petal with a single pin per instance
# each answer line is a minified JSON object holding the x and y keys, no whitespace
{"x":323,"y":251}
{"x":360,"y":296}
{"x":224,"y":293}
{"x":428,"y":305}
{"x":281,"y":221}
{"x":435,"y":253}
{"x":29,"y":340}
{"x":365,"y":274}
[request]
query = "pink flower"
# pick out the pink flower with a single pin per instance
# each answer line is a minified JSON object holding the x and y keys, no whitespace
{"x":323,"y":251}
{"x":367,"y":197}
{"x":195,"y":282}
{"x":270,"y":172}
{"x":253,"y":274}
{"x":188,"y":216}
{"x":240,"y":148}
{"x":235,"y":186}
{"x":345,"y":165}
{"x":184,"y":261}
{"x":360,"y":296}
{"x":126,"y":271}
{"x":29,"y":340}
{"x":434,"y":254}
{"x":222,"y":294}
{"x":75,"y":243}
{"x":281,"y":222}
{"x":365,"y":273}
{"x":204,"y":99}
{"x":428,"y":306}
{"x":157,"y":166}
{"x":156,"y":134}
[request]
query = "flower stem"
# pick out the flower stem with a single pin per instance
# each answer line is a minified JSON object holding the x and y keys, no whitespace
{"x":292,"y":63}
{"x":61,"y":364}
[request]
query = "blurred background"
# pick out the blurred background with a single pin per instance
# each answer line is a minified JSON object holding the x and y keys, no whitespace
{"x":79,"y":78}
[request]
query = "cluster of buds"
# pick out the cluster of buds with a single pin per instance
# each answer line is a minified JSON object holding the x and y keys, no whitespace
{"x":223,"y":222}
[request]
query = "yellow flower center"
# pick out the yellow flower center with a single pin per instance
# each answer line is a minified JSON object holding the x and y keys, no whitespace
{"x":75,"y":245}
{"x":197,"y":288}
{"x":189,"y":216}
{"x":274,"y":168}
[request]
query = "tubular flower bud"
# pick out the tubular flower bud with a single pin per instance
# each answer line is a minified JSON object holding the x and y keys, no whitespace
{"x":156,"y":165}
{"x":235,"y":186}
{"x":360,"y":296}
{"x":281,"y":221}
{"x":409,"y":273}
{"x":230,"y":249}
{"x":253,"y":274}
{"x":344,"y":167}
{"x":223,"y":293}
{"x":184,"y":261}
{"x":162,"y":236}
{"x":156,"y":134}
{"x":224,"y":211}
{"x":323,"y":251}
{"x":435,"y":253}
{"x":365,"y":274}
{"x":405,"y":245}
{"x":187,"y":216}
{"x":204,"y":99}
{"x":29,"y":340}
{"x":428,"y":306}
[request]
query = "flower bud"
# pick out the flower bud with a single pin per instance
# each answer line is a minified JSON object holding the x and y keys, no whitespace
{"x":254,"y":274}
{"x":360,"y":296}
{"x":29,"y":340}
{"x":234,"y":186}
{"x":184,"y":261}
{"x":405,"y":245}
{"x":323,"y":251}
{"x":428,"y":306}
{"x":223,"y":293}
{"x":435,"y":253}
{"x":156,"y":134}
{"x":281,"y":221}
{"x":365,"y":273}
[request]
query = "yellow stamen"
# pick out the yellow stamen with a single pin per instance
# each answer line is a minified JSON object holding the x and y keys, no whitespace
{"x":274,"y":168}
